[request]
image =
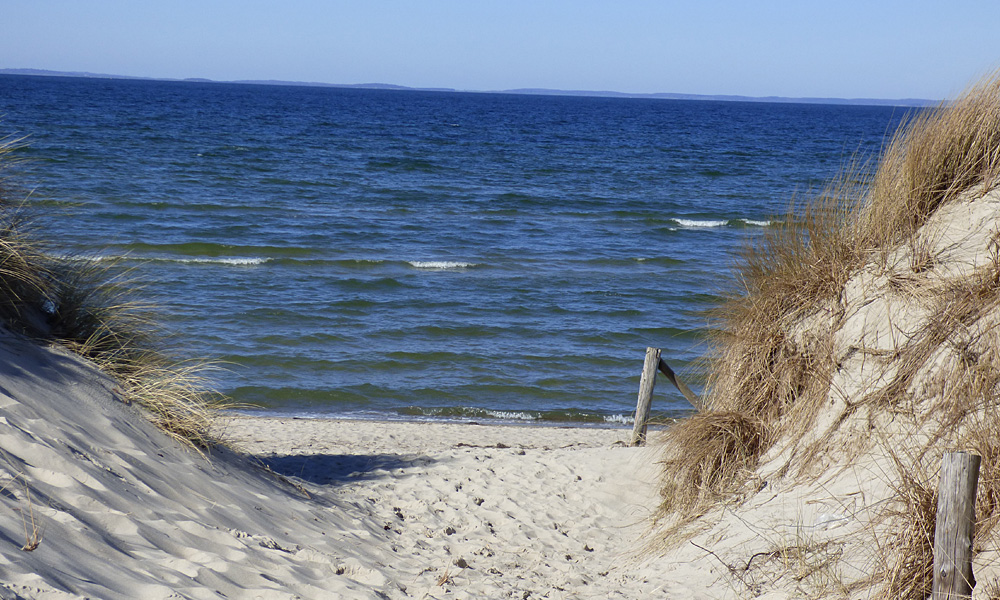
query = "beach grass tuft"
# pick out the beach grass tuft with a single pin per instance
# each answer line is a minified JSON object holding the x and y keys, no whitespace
{"x":706,"y":453}
{"x":95,"y":308}
{"x":933,"y":158}
{"x":773,"y":356}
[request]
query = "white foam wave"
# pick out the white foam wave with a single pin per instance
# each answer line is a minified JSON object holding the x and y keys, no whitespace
{"x":708,"y":223}
{"x":700,"y":223}
{"x":439,"y":264}
{"x":228,"y":260}
{"x":85,"y":257}
{"x":237,"y":261}
{"x":619,"y":419}
{"x":221,"y":260}
{"x":511,"y":415}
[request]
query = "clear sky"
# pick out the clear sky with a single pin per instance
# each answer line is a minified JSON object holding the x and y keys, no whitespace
{"x":833,"y":48}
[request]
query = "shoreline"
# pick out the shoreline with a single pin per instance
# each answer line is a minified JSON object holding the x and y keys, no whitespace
{"x":654,"y":424}
{"x":292,"y":434}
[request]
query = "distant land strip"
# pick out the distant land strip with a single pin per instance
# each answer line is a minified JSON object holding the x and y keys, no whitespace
{"x":912,"y":102}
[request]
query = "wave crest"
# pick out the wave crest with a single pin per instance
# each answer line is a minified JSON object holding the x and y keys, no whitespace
{"x":440,"y":265}
{"x":711,"y":223}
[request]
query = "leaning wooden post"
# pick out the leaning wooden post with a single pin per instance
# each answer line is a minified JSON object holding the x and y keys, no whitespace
{"x":691,"y":397}
{"x":646,"y":384}
{"x":955,"y":526}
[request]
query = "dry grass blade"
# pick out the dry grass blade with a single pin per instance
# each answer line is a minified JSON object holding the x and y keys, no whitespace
{"x":177,"y":397}
{"x":32,"y":530}
{"x":32,"y":536}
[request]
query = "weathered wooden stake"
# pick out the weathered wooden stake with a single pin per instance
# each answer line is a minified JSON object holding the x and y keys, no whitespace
{"x":955,"y":526}
{"x":646,"y":384}
{"x":666,"y":370}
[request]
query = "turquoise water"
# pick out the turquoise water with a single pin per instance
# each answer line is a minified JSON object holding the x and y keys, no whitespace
{"x":374,"y":253}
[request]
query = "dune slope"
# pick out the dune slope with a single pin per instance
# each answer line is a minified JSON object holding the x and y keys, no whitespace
{"x":864,"y":346}
{"x":124,"y":511}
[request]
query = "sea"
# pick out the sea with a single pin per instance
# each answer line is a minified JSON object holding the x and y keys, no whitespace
{"x":419,"y":255}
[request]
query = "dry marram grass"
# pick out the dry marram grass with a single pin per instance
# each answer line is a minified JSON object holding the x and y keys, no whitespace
{"x":92,"y":308}
{"x":774,"y":359}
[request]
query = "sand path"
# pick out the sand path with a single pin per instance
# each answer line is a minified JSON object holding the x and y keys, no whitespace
{"x":474,"y":511}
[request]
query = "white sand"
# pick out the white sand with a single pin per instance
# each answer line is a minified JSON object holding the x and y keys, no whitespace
{"x":394,"y":510}
{"x":472,"y":511}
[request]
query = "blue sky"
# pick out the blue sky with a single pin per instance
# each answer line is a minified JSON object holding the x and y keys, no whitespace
{"x":847,"y":48}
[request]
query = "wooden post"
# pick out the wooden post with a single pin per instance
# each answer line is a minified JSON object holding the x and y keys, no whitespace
{"x":955,"y":526}
{"x":666,"y":370}
{"x":646,"y":384}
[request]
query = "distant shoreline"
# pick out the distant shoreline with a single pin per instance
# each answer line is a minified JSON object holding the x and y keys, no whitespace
{"x":903,"y":102}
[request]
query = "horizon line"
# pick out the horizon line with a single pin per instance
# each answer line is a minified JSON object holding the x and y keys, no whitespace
{"x":905,"y":102}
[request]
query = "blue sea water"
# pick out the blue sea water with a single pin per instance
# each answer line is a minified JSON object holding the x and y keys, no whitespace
{"x":405,"y":254}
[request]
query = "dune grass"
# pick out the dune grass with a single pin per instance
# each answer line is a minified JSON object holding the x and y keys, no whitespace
{"x":773,"y":358}
{"x":93,"y":308}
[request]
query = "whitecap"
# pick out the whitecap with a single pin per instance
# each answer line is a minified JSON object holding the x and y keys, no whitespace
{"x":700,"y":223}
{"x":239,"y":261}
{"x":439,"y":264}
{"x":85,"y":258}
{"x":756,"y":223}
{"x":232,"y":261}
{"x":222,"y":260}
{"x":620,"y":419}
{"x":511,"y":415}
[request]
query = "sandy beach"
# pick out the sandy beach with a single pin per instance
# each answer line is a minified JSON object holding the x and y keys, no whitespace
{"x":480,"y":511}
{"x":98,"y":503}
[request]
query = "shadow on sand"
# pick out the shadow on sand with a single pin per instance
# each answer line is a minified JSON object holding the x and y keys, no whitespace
{"x":326,"y":469}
